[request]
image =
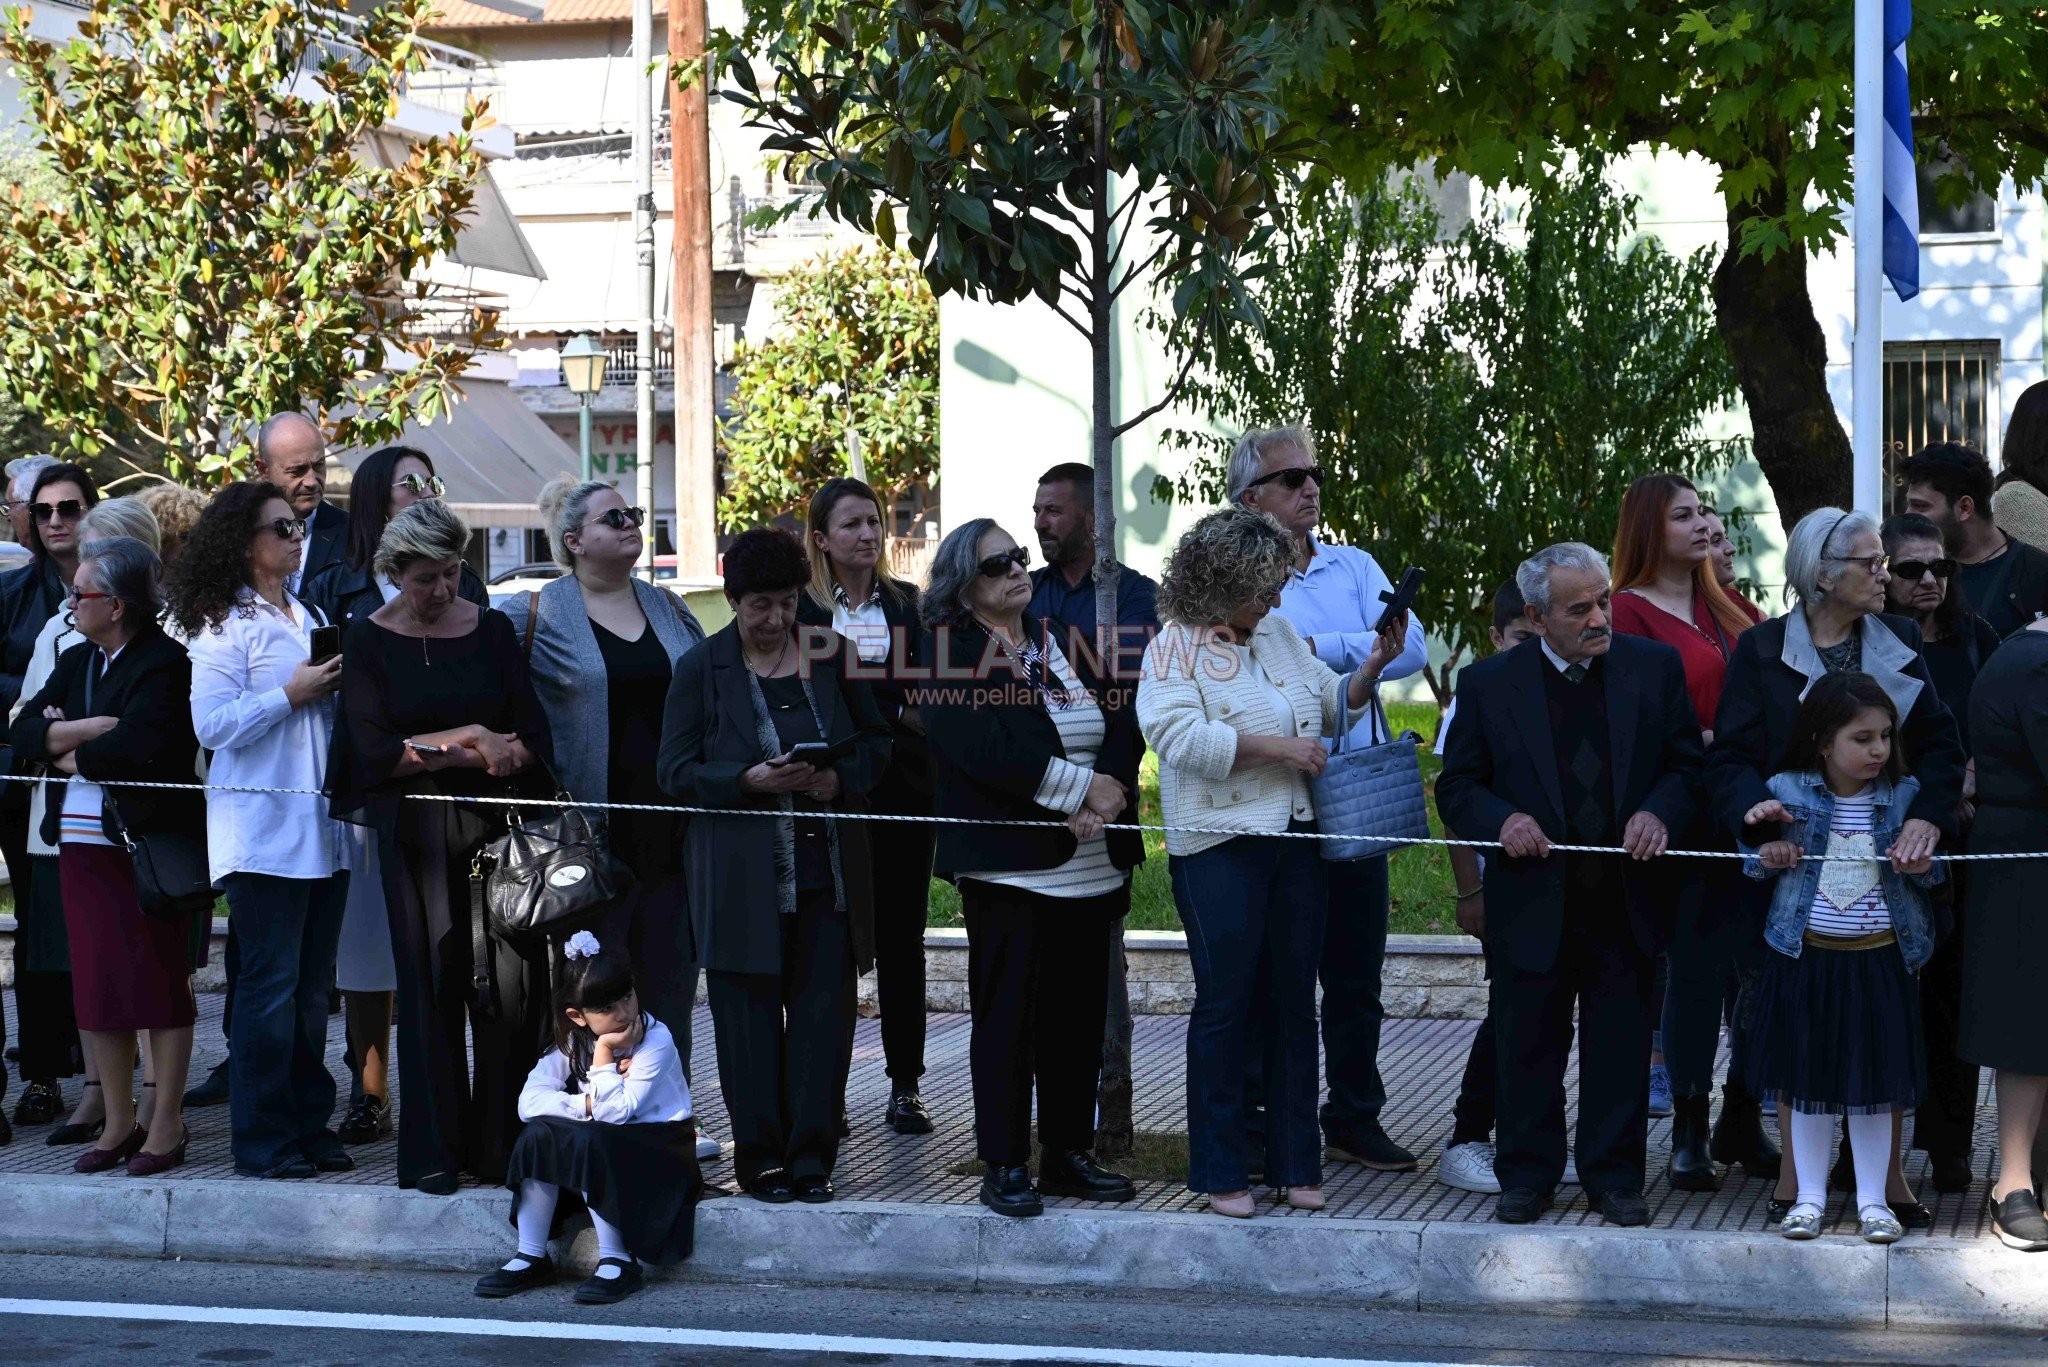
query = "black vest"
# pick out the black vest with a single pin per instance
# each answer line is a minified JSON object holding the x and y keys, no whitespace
{"x":1585,"y":761}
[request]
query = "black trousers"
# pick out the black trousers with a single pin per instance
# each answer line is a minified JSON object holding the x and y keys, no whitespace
{"x":1602,"y":971}
{"x":1946,"y":1117}
{"x":455,"y":1115}
{"x":1472,"y":1116}
{"x":785,"y":1043}
{"x":902,"y":854}
{"x":48,"y":1039}
{"x":1038,"y":984}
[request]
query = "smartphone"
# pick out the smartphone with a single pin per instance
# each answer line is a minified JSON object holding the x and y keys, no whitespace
{"x":420,"y":748}
{"x":814,"y":753}
{"x":1401,"y":599}
{"x":326,"y":644}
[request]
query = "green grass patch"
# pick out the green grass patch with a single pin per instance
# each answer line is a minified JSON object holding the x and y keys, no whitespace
{"x":1423,"y":900}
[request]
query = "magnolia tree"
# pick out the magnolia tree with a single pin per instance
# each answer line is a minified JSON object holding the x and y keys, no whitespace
{"x":209,"y":243}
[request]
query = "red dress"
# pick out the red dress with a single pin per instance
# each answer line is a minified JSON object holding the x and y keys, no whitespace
{"x":1703,"y":649}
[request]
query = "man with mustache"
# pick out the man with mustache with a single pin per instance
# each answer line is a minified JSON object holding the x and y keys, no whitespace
{"x":1578,"y":737}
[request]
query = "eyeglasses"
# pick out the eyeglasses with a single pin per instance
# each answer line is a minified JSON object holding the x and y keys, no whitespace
{"x":74,"y":597}
{"x":1912,"y":571}
{"x":422,"y":486}
{"x":618,"y":519}
{"x":1874,"y":563}
{"x":288,"y":528}
{"x":1292,"y":478}
{"x":996,"y":566}
{"x":70,"y":510}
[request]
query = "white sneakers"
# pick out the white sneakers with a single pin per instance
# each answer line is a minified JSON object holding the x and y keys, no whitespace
{"x":709,"y":1150}
{"x":1469,"y":1167}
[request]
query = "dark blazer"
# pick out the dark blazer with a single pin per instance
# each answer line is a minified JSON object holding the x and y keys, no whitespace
{"x":1500,"y":759}
{"x":149,"y":688}
{"x":908,"y":782}
{"x":326,"y":541}
{"x":30,"y":596}
{"x":709,"y":737}
{"x":345,"y":593}
{"x":1760,"y":701}
{"x":990,"y":744}
{"x":2022,"y":592}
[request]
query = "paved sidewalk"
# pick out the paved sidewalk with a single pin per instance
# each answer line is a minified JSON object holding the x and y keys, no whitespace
{"x":1421,"y":1059}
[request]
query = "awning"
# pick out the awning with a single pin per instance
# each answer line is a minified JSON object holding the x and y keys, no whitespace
{"x":489,"y":238}
{"x":494,"y":453}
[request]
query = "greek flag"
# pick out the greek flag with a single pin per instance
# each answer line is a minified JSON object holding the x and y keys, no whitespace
{"x":1901,"y":188}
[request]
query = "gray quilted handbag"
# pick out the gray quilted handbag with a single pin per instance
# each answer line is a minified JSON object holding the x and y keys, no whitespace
{"x":1371,"y":795}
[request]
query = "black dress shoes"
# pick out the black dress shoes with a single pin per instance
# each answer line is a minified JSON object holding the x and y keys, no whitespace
{"x":1776,"y":1211}
{"x":1369,"y":1146}
{"x":1949,"y":1172}
{"x":1521,"y":1205}
{"x":1008,"y":1191}
{"x":1077,"y":1174}
{"x":1691,"y":1168}
{"x":1627,"y":1208}
{"x":498,"y":1284}
{"x":813,"y":1189}
{"x":611,"y":1290}
{"x":772,"y":1186}
{"x":1739,"y":1136}
{"x":906,"y":1113}
{"x":212,"y":1092}
{"x":40,"y":1104}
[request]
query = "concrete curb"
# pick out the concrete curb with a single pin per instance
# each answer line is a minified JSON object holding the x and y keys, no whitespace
{"x":1568,"y":1270}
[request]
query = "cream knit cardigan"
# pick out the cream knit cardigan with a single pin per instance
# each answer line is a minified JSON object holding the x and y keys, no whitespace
{"x":1194,"y":701}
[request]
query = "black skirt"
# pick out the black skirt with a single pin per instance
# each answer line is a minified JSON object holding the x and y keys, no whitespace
{"x":1838,"y":1031}
{"x":642,"y":1179}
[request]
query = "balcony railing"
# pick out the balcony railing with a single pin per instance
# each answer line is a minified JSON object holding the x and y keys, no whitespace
{"x":451,"y":77}
{"x":622,"y":364}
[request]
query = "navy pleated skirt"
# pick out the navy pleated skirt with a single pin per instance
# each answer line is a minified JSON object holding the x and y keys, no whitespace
{"x":1838,"y":1030}
{"x":642,"y":1179}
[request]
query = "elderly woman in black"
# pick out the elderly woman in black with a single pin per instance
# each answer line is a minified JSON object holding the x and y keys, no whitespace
{"x":1835,"y":569}
{"x":852,"y":592}
{"x":780,"y":906}
{"x":435,"y":700}
{"x":1018,"y":734}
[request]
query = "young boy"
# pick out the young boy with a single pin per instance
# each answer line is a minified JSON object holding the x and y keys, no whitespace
{"x":1467,"y":1161}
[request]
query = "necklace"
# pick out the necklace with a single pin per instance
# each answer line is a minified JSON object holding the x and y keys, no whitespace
{"x":782,"y":655}
{"x":425,"y":658}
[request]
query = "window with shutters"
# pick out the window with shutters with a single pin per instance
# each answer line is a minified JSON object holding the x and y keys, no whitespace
{"x":1939,"y":391}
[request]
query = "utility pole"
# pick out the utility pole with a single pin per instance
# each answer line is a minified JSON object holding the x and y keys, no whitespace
{"x":696,"y":386}
{"x":643,"y":243}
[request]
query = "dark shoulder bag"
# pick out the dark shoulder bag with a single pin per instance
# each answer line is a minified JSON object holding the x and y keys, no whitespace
{"x":172,"y":876}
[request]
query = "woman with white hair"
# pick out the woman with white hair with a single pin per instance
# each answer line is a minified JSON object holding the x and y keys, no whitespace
{"x":1835,"y":573}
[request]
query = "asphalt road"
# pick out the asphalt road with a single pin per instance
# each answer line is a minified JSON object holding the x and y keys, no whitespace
{"x":70,"y":1310}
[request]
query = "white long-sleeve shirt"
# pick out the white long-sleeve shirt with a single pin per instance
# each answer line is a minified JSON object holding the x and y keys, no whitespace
{"x":259,"y":739}
{"x":651,"y":1090}
{"x":1335,"y":602}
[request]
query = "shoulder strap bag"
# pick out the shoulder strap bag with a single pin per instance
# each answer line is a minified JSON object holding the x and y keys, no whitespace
{"x":173,"y":878}
{"x":1371,"y":796}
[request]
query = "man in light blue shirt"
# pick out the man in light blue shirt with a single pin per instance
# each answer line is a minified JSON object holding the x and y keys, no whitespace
{"x":1334,"y":598}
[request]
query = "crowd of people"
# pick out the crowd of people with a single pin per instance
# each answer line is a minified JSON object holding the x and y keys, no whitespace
{"x":356,"y":709}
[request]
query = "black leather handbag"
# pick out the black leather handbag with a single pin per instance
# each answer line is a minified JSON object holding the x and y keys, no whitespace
{"x":172,"y":877}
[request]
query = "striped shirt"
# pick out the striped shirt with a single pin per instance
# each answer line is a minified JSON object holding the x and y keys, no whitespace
{"x":1089,"y":873}
{"x":79,"y":821}
{"x":1849,"y":900}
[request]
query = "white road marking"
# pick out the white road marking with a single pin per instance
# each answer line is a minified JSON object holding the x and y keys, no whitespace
{"x":590,"y":1330}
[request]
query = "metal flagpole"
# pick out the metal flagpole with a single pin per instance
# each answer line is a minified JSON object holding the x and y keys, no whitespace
{"x":643,"y":242}
{"x":1866,"y":406}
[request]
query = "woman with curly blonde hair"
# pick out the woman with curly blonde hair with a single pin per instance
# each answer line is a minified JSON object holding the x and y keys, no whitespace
{"x":1237,"y":705}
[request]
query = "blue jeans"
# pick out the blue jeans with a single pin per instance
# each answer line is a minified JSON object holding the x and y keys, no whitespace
{"x":1252,"y":906}
{"x":281,"y":1095}
{"x":1354,"y":953}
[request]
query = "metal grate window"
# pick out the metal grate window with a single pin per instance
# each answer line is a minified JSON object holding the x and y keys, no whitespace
{"x":1938,"y":391}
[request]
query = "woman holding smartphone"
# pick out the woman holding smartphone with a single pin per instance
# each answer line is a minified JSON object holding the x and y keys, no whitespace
{"x":435,"y":701}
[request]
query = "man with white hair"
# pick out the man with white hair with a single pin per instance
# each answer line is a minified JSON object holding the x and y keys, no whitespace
{"x":291,"y":452}
{"x":1578,"y":737}
{"x":21,"y":476}
{"x":1335,"y":597}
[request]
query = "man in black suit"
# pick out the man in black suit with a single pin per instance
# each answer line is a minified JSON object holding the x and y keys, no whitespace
{"x":1578,"y":737}
{"x":291,"y":453}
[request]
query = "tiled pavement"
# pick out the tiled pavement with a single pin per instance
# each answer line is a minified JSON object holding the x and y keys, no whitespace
{"x":1421,"y":1059}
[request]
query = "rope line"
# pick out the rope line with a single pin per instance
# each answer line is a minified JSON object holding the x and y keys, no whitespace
{"x":555,"y":803}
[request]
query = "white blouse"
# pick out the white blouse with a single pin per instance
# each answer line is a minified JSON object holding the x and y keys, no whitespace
{"x":652,"y":1088}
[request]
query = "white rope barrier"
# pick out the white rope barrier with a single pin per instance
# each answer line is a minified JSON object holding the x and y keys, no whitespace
{"x":677,"y":810}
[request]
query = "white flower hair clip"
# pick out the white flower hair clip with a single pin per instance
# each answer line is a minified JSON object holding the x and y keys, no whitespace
{"x":581,"y":945}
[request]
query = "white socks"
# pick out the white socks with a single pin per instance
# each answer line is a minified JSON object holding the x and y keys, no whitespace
{"x":610,"y":1244}
{"x":536,"y":1212}
{"x":1870,"y":1140}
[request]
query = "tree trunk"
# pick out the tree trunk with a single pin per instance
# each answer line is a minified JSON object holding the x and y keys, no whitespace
{"x":1113,"y":1128}
{"x":1766,"y":318}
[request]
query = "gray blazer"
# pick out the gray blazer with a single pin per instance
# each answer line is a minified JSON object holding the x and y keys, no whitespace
{"x":569,"y":679}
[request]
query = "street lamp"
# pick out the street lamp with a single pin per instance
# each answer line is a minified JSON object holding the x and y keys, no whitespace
{"x":583,"y":371}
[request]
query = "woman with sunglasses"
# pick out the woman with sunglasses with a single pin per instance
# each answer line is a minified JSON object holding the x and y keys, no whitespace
{"x":118,"y":708}
{"x":601,"y":647}
{"x":57,"y":497}
{"x":1018,"y":735}
{"x":779,"y":905}
{"x":1835,"y":578}
{"x":1958,"y":644}
{"x":263,"y":706}
{"x":388,"y":481}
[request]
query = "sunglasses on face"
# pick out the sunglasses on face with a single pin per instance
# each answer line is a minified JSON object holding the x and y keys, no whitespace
{"x":1292,"y":478}
{"x":288,"y":528}
{"x":1912,"y":571}
{"x":70,"y":510}
{"x":618,"y":519}
{"x":422,"y":486}
{"x":74,"y":597}
{"x":996,"y":566}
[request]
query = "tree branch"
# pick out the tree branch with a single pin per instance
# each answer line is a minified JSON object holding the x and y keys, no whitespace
{"x":1133,"y":272}
{"x":1072,"y":322}
{"x":1173,"y":390}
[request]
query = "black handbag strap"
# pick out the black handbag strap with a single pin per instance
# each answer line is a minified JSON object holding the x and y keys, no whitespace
{"x":480,"y":975}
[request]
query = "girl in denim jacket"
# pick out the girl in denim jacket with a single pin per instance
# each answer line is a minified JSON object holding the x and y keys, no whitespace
{"x":1836,"y":1020}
